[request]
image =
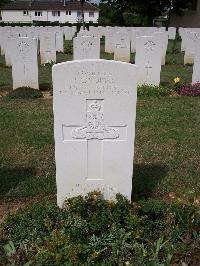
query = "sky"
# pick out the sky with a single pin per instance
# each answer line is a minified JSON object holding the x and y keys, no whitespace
{"x":95,"y":1}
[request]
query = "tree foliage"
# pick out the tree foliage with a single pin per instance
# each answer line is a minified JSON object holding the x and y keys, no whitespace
{"x":127,"y":12}
{"x":3,"y":2}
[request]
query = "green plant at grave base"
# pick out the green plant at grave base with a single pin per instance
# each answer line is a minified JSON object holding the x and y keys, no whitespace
{"x":150,"y":90}
{"x":49,"y":64}
{"x":24,"y":93}
{"x":92,"y":231}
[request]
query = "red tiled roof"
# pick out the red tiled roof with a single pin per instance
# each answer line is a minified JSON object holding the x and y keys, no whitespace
{"x":48,"y":5}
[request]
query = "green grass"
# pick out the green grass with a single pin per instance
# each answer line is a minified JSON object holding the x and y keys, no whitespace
{"x":167,"y":137}
{"x":167,"y":147}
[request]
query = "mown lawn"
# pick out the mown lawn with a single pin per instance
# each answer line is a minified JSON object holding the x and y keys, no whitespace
{"x":167,"y":148}
{"x":167,"y":137}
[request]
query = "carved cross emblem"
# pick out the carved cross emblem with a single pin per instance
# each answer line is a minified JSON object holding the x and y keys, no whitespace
{"x":95,"y":127}
{"x":95,"y":133}
{"x":149,"y":46}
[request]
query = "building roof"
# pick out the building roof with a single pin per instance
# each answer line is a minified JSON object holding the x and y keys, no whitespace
{"x":48,"y":5}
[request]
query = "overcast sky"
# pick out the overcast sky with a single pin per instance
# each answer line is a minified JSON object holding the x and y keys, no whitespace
{"x":95,"y":1}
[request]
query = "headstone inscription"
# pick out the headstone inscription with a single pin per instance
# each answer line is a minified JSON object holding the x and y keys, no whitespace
{"x":148,"y":60}
{"x":94,"y":127}
{"x":86,"y":48}
{"x":47,"y":47}
{"x":192,"y":40}
{"x":122,"y":47}
{"x":24,"y":63}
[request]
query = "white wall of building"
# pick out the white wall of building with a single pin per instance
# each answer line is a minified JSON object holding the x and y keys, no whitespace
{"x":18,"y":16}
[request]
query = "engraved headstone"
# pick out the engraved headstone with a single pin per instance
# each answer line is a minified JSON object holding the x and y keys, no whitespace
{"x":86,"y":48}
{"x":68,"y":33}
{"x":148,"y":60}
{"x":8,"y":39}
{"x":94,"y":127}
{"x":196,"y":66}
{"x":24,"y":63}
{"x":162,"y":38}
{"x":133,"y":35}
{"x":109,"y":42}
{"x":122,"y":47}
{"x":192,"y":40}
{"x":171,"y":33}
{"x":47,"y":47}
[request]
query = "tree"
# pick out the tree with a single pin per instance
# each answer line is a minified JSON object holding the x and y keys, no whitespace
{"x":146,"y":10}
{"x":3,"y":2}
{"x":83,"y":19}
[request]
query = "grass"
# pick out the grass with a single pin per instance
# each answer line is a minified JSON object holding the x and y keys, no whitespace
{"x":166,"y":155}
{"x":167,"y":146}
{"x":166,"y":150}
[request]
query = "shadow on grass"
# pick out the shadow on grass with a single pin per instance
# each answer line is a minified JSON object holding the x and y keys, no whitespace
{"x":146,"y":178}
{"x":45,"y":86}
{"x":11,"y":177}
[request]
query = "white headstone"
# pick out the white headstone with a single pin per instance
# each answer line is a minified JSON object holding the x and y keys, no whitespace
{"x":68,"y":32}
{"x":109,"y":43}
{"x":94,"y":127}
{"x":148,"y":60}
{"x":162,"y":38}
{"x":196,"y":67}
{"x":86,"y":48}
{"x":172,"y":33}
{"x":122,"y":47}
{"x":47,"y":47}
{"x":8,"y":39}
{"x":24,"y":63}
{"x":192,"y":40}
{"x":133,"y":35}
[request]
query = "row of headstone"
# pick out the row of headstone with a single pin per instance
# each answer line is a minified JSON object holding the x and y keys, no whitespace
{"x":119,"y":40}
{"x":7,"y":34}
{"x":149,"y":59}
{"x":21,"y":46}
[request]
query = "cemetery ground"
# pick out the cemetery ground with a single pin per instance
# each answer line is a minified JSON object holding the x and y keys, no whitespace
{"x":163,"y":224}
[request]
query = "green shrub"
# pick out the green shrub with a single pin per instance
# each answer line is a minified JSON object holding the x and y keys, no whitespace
{"x":150,"y":90}
{"x":93,"y":231}
{"x":24,"y":93}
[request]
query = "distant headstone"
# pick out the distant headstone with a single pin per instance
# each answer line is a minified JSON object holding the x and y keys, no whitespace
{"x":122,"y":47}
{"x":133,"y":35}
{"x":24,"y":63}
{"x":47,"y":47}
{"x":8,"y":39}
{"x":68,"y":33}
{"x":109,"y":43}
{"x":86,"y":48}
{"x":162,"y":38}
{"x":171,"y":33}
{"x":94,"y":123}
{"x":148,"y":60}
{"x":196,"y":66}
{"x":192,"y":40}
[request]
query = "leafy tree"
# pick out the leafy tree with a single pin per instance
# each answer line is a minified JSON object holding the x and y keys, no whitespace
{"x":125,"y":12}
{"x":3,"y":2}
